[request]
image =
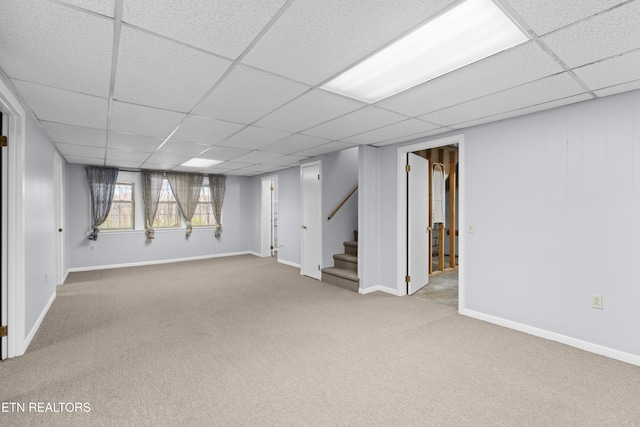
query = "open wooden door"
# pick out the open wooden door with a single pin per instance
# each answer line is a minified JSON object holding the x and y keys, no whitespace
{"x":418,"y":240}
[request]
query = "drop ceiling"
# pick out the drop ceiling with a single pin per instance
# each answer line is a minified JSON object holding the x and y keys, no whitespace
{"x":152,"y":83}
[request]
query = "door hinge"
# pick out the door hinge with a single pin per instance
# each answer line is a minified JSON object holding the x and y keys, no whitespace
{"x":318,"y":267}
{"x":3,"y":141}
{"x":407,"y":168}
{"x":3,"y":331}
{"x":318,"y":177}
{"x":271,"y":188}
{"x":271,"y":247}
{"x":407,"y":279}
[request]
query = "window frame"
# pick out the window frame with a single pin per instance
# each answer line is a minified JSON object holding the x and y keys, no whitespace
{"x":169,"y":191}
{"x":132,"y":202}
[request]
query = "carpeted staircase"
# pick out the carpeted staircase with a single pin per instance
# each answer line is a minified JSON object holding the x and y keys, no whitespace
{"x":344,"y":272}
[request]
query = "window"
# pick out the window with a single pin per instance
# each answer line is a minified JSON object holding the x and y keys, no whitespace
{"x":204,"y":211}
{"x":121,"y":215}
{"x":167,"y":214}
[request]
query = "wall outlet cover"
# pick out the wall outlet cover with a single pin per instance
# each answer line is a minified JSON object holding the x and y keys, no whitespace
{"x":596,"y":301}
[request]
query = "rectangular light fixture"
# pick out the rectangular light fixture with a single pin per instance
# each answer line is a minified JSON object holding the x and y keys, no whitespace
{"x":200,"y":163}
{"x":469,"y":32}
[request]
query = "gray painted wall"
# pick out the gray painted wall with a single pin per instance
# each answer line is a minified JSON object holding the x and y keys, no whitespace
{"x":116,"y":248}
{"x":369,"y":230}
{"x":553,"y":178}
{"x":40,"y":246}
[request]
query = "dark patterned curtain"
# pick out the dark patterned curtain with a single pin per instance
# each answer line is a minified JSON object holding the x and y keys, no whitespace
{"x":216,"y":186}
{"x":151,"y":187}
{"x":102,"y":182}
{"x":186,"y":189}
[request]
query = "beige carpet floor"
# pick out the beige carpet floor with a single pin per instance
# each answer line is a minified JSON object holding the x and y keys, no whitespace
{"x":247,"y":341}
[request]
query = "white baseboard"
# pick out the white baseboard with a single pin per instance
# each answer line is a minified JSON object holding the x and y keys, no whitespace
{"x":553,"y":336}
{"x":289,"y":263}
{"x":36,"y":326}
{"x":163,"y":261}
{"x":254,"y":254}
{"x":381,"y":289}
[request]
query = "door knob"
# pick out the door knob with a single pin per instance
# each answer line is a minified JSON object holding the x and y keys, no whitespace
{"x":304,"y":227}
{"x":59,"y":230}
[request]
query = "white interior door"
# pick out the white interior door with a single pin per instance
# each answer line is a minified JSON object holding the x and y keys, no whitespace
{"x":311,"y":221}
{"x":59,"y":218}
{"x":418,"y":242}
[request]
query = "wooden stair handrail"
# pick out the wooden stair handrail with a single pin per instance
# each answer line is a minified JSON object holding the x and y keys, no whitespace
{"x":341,"y":203}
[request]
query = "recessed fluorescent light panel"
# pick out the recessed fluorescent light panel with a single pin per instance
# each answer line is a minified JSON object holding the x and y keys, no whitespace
{"x":200,"y":163}
{"x":469,"y":32}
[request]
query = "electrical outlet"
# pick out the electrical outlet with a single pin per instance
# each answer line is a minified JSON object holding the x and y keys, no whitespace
{"x":471,"y":229}
{"x":596,"y":301}
{"x":90,"y":248}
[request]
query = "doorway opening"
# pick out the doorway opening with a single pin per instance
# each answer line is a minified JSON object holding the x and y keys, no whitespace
{"x":3,"y":241}
{"x":442,"y":199}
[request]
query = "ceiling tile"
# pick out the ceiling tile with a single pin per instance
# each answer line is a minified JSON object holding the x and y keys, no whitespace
{"x":600,"y":37}
{"x":160,"y":73}
{"x":618,"y":89}
{"x":313,"y":40}
{"x":610,"y":72}
{"x":232,"y":165}
{"x":81,"y":151}
{"x":224,"y":27}
{"x":287,"y":160}
{"x":257,"y":157}
{"x":253,"y":137}
{"x":294,"y":143}
{"x":146,"y":121}
{"x":75,"y":134}
{"x":527,"y":110}
{"x":103,"y":7}
{"x":57,"y":105}
{"x":182,"y":148}
{"x":324,"y":149}
{"x":406,"y":127}
{"x":113,"y":154}
{"x":164,"y":161}
{"x":79,"y":160}
{"x":129,"y":164}
{"x":407,"y":138}
{"x":538,"y":92}
{"x":207,"y":131}
{"x":514,"y":67}
{"x":312,"y":108}
{"x":66,"y":48}
{"x":223,"y":153}
{"x":544,"y":16}
{"x":125,"y":141}
{"x":247,"y":94}
{"x":359,"y":121}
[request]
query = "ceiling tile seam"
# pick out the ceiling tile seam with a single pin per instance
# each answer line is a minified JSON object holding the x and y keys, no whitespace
{"x":80,"y":9}
{"x":9,"y":82}
{"x":117,"y":27}
{"x":607,"y":58}
{"x":564,"y":65}
{"x":618,"y":84}
{"x":57,"y":88}
{"x":487,"y":95}
{"x":514,"y":110}
{"x":590,"y":17}
{"x":175,"y":41}
{"x":369,"y":130}
{"x":534,"y":36}
{"x":233,"y":65}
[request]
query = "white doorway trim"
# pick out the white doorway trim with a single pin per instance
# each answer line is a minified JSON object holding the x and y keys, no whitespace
{"x":311,"y":225}
{"x":16,"y":237}
{"x":401,"y":232}
{"x":268,"y":232}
